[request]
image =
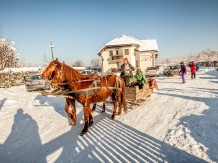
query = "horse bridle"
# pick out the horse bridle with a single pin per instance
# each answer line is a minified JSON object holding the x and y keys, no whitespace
{"x":59,"y":76}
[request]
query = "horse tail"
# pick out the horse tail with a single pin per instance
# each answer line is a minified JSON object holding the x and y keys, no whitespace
{"x":123,"y":95}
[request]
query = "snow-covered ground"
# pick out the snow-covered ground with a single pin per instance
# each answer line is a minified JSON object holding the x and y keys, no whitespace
{"x":178,"y":124}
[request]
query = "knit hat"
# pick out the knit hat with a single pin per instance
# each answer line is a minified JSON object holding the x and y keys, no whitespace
{"x":139,"y":69}
{"x":182,"y":63}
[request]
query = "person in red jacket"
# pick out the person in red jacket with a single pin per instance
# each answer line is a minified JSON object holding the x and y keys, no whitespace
{"x":193,"y":69}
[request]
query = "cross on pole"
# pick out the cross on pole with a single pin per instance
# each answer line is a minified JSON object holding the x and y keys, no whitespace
{"x":51,"y":46}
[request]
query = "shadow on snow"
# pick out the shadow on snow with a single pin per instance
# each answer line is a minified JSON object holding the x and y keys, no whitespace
{"x":2,"y":102}
{"x":202,"y":129}
{"x":107,"y":141}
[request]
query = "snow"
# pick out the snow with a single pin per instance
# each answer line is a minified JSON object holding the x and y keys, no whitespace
{"x":21,"y":69}
{"x":79,"y":68}
{"x":144,"y":45}
{"x":147,"y":45}
{"x":122,"y":40}
{"x":178,"y":124}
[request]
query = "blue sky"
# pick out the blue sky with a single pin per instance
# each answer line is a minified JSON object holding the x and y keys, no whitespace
{"x":79,"y":28}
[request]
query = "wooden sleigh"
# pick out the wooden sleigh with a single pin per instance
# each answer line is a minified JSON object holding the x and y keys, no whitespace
{"x":137,"y":97}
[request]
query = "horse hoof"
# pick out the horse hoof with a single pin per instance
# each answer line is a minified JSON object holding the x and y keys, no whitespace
{"x":83,"y":133}
{"x":112,"y":117}
{"x":72,"y":123}
{"x":102,"y":111}
{"x":119,"y":113}
{"x":90,"y":124}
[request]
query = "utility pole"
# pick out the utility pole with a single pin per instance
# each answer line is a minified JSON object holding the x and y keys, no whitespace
{"x":51,"y":46}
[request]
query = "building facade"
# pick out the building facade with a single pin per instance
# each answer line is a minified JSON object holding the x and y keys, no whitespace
{"x":140,"y":53}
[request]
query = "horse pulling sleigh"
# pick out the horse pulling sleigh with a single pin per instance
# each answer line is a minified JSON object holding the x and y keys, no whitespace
{"x":92,"y":89}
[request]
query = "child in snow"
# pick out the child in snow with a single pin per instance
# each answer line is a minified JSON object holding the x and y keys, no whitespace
{"x":193,"y":69}
{"x":138,"y":79}
{"x":183,"y":71}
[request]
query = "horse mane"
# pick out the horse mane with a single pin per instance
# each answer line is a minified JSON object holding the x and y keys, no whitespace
{"x":73,"y":75}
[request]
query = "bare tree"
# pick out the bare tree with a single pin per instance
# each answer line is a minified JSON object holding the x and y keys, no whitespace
{"x":45,"y":62}
{"x":96,"y":62}
{"x":78,"y":63}
{"x":23,"y":63}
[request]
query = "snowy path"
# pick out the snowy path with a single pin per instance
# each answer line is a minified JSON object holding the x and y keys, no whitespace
{"x":178,"y":124}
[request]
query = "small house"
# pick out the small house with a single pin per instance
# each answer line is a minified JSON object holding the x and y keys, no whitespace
{"x":140,"y":53}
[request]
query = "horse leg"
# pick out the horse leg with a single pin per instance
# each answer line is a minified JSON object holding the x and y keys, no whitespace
{"x":66,"y":107}
{"x":103,"y":108}
{"x":87,"y":117}
{"x":120,"y":104}
{"x":73,"y":108}
{"x":93,"y":108}
{"x":91,"y":121}
{"x":115,"y":106}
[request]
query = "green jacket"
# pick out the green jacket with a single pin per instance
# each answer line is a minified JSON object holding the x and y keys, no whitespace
{"x":140,"y":78}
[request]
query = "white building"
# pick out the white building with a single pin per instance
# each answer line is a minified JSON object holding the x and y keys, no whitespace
{"x":140,"y":53}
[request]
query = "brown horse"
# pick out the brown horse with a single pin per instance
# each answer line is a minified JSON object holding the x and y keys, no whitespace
{"x":88,"y":91}
{"x":70,"y":103}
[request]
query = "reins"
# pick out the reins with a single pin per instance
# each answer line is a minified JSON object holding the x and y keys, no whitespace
{"x":80,"y":81}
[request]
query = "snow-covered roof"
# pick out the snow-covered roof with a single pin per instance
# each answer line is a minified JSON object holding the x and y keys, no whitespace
{"x":147,"y":45}
{"x":122,"y":40}
{"x":143,"y":45}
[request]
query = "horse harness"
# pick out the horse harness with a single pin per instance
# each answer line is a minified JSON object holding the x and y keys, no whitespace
{"x":95,"y":83}
{"x":85,"y":92}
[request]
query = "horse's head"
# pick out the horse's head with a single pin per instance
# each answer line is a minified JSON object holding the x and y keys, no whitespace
{"x":57,"y":78}
{"x":64,"y":75}
{"x":50,"y":70}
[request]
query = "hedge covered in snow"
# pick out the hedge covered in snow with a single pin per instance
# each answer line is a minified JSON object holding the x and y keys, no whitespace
{"x":11,"y":78}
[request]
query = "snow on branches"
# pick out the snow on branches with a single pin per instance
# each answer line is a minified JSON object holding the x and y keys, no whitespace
{"x":78,"y":63}
{"x":11,"y":78}
{"x":205,"y":58}
{"x":8,"y":56}
{"x":96,"y":62}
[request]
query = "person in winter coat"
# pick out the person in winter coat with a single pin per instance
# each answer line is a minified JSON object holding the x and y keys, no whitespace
{"x":138,"y":79}
{"x":193,"y":69}
{"x":126,"y":71}
{"x":183,"y":71}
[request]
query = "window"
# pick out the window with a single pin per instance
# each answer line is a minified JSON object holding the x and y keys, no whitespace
{"x":111,"y":52}
{"x":126,"y":51}
{"x":116,"y":52}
